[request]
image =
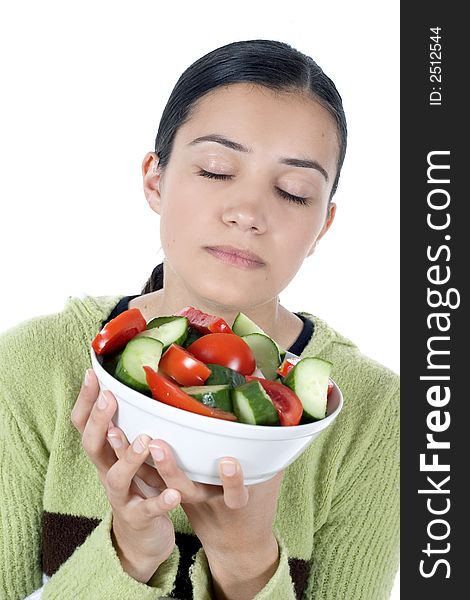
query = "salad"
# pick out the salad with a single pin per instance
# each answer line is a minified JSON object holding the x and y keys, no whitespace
{"x":197,"y":362}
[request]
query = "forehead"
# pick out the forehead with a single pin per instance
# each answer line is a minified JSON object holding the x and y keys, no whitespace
{"x":287,"y":123}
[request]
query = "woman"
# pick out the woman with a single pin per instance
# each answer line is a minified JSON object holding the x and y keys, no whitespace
{"x":247,"y":160}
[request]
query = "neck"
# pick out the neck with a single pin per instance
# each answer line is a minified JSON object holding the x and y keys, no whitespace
{"x":275,"y":320}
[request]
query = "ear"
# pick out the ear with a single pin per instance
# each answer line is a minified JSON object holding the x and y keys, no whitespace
{"x":152,"y":174}
{"x":328,"y":221}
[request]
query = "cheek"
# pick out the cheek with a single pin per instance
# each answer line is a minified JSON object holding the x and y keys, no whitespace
{"x":290,"y":254}
{"x":298,"y":239}
{"x":289,"y":263}
{"x":178,"y":216}
{"x":295,"y":246}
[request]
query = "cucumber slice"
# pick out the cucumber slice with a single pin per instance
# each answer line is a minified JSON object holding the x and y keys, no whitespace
{"x":252,"y":405}
{"x":168,"y":330}
{"x":224,"y":376}
{"x":139,"y":351}
{"x":309,"y":380}
{"x":266,"y":353}
{"x":212,"y":395}
{"x":193,"y":335}
{"x":244,"y":326}
{"x":157,"y":321}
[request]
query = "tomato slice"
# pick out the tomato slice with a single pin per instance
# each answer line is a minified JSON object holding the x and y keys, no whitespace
{"x":286,"y":402}
{"x":168,"y":392}
{"x":226,"y":349}
{"x":203,"y":322}
{"x":183,"y":367}
{"x":117,"y":332}
{"x":287,"y":365}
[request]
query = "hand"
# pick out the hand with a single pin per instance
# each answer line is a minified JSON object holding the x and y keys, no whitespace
{"x":233,"y":522}
{"x":217,"y":513}
{"x":142,"y":532}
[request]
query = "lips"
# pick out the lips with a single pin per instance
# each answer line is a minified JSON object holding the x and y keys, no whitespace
{"x":238,"y":253}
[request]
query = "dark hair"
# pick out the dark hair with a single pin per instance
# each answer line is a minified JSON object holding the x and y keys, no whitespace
{"x":273,"y":64}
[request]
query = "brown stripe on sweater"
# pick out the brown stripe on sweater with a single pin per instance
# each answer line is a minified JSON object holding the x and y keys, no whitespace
{"x":299,"y":570}
{"x":61,"y":535}
{"x":188,"y":545}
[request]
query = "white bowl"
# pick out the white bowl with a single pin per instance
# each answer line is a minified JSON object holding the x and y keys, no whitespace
{"x":199,"y":442}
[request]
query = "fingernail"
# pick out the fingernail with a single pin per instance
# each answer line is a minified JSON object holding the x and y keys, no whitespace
{"x":228,"y":468}
{"x":102,"y":402}
{"x":157,"y":452}
{"x":139,"y":445}
{"x":87,"y":379}
{"x":170,"y":496}
{"x":115,"y":441}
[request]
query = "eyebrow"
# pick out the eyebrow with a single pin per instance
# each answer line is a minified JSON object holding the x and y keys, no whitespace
{"x":292,"y":162}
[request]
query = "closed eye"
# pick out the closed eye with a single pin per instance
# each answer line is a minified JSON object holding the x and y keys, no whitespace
{"x":291,"y":197}
{"x":281,"y":192}
{"x":210,"y":175}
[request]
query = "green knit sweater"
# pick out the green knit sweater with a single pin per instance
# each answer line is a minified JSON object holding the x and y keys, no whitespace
{"x":337,"y":520}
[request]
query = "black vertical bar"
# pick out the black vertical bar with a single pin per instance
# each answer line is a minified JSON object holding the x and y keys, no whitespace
{"x":435,"y":260}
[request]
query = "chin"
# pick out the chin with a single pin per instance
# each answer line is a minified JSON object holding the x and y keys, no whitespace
{"x":227,"y":296}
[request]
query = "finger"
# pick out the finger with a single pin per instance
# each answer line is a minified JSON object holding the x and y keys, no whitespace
{"x":172,"y":475}
{"x":96,"y":428}
{"x":85,"y":400}
{"x":120,"y":476}
{"x":147,"y":479}
{"x":158,"y":505}
{"x":235,"y":492}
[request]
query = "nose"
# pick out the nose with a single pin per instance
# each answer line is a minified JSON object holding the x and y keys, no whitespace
{"x":247,"y":214}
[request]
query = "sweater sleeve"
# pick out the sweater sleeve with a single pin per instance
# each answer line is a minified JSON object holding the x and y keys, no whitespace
{"x":356,"y":550}
{"x":23,"y":467}
{"x":27,"y":426}
{"x":94,"y":565}
{"x":279,"y":587}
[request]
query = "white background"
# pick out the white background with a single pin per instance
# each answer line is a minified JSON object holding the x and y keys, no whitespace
{"x":84,"y":85}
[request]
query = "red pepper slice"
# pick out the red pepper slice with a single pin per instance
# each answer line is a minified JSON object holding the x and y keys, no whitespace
{"x":286,"y":402}
{"x":203,"y":322}
{"x":117,"y":332}
{"x":168,"y":392}
{"x":331,"y":385}
{"x":287,"y":365}
{"x":183,"y":367}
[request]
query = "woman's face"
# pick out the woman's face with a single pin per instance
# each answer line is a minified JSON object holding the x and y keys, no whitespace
{"x":252,"y":169}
